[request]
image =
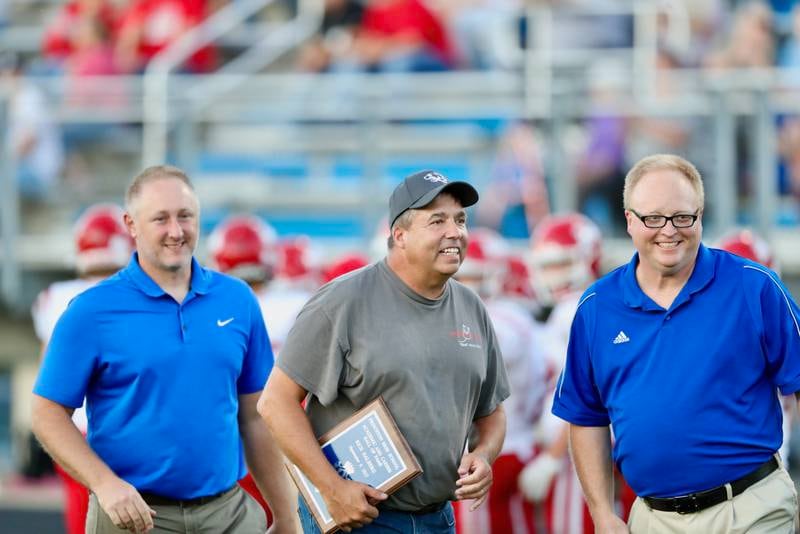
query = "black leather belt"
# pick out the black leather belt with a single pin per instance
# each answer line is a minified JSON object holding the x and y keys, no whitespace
{"x":694,"y":502}
{"x":159,"y":500}
{"x":428,"y":509}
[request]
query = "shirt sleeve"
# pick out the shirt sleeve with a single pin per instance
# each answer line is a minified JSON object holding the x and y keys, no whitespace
{"x":779,"y":316}
{"x":258,"y":360}
{"x":577,"y":399}
{"x":70,"y":359}
{"x":314,"y":356}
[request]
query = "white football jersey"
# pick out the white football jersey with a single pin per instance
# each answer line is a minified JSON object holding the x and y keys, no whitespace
{"x":520,"y":341}
{"x":280,"y":306}
{"x":51,"y":303}
{"x":556,"y":333}
{"x":555,"y":336}
{"x":47,"y":308}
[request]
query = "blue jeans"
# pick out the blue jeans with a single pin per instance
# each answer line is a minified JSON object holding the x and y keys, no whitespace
{"x":391,"y":522}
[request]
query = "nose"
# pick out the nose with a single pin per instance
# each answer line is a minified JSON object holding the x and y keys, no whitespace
{"x":669,"y":229}
{"x":453,"y":229}
{"x":174,"y":229}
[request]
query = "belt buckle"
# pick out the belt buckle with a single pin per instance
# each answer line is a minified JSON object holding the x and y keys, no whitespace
{"x":687,"y":505}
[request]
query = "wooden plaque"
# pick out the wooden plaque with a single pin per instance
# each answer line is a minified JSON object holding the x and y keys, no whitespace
{"x":366,"y":447}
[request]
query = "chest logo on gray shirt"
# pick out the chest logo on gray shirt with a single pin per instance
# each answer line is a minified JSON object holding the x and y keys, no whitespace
{"x":466,"y":337}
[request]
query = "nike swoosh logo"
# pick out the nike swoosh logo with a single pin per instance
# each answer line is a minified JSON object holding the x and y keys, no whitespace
{"x":223,"y":323}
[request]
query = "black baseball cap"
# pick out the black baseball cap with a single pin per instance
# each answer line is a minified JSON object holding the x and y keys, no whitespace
{"x":419,"y":190}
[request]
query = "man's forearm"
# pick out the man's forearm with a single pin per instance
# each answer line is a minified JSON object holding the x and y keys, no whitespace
{"x":591,"y":455}
{"x":292,"y":431}
{"x":491,"y":434}
{"x":53,"y":427}
{"x":265,"y":462}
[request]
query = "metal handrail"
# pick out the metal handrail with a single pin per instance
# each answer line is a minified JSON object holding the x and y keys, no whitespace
{"x":157,"y":74}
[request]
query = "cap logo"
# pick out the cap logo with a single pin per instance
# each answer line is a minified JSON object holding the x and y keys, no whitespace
{"x":435,"y":177}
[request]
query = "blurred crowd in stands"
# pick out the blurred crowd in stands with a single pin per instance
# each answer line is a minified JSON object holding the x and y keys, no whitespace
{"x":86,"y":38}
{"x":99,"y":37}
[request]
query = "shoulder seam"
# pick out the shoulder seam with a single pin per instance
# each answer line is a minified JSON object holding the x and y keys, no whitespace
{"x":587,"y":297}
{"x":563,"y":371}
{"x":783,"y":293}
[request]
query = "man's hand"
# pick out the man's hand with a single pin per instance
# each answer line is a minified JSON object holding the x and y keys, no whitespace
{"x":610,"y":524}
{"x":124,"y":506}
{"x":536,"y":478}
{"x":475,"y":479}
{"x":353,"y":504}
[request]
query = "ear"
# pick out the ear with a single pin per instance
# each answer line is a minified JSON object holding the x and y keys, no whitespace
{"x":628,"y":220}
{"x":129,"y":224}
{"x":399,"y":236}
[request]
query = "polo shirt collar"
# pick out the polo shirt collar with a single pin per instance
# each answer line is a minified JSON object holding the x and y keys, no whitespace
{"x":702,"y":274}
{"x":201,"y":278}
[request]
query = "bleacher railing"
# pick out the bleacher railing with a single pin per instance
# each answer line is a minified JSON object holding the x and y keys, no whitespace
{"x":365,"y":114}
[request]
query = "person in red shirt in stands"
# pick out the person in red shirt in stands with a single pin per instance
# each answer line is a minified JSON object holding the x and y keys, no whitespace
{"x":59,"y":34}
{"x":400,"y":35}
{"x":149,"y":26}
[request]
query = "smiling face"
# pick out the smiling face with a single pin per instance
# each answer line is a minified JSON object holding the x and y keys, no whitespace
{"x":435,"y":241}
{"x":667,"y":251}
{"x":163,"y":220}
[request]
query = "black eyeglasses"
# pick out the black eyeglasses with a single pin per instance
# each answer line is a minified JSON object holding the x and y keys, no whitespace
{"x":679,"y":220}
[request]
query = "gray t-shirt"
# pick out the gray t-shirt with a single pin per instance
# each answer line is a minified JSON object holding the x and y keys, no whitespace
{"x":436,"y":363}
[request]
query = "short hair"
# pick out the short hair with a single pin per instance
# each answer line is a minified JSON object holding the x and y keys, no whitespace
{"x":403,"y":221}
{"x":151,"y":174}
{"x":662,"y":162}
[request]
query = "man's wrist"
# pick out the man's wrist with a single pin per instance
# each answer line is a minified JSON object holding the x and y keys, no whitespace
{"x":483,"y":453}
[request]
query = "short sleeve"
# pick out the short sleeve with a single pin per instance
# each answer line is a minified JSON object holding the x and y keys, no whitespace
{"x":259,"y":359}
{"x":781,"y":332}
{"x":70,"y":359}
{"x":577,"y":399}
{"x":313,"y":356}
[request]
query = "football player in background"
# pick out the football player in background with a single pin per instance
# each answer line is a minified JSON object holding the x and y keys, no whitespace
{"x":299,"y":264}
{"x":342,"y":265}
{"x":102,"y":247}
{"x":485,"y":270}
{"x":564,"y":259}
{"x":247,"y":247}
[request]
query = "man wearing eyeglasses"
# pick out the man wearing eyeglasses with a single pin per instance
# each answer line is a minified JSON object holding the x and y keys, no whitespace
{"x":682,"y":352}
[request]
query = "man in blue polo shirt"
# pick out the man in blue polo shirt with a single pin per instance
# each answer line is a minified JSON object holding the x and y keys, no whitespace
{"x":683,"y":352}
{"x":171,"y":358}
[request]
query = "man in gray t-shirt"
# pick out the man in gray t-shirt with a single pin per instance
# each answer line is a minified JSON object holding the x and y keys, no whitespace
{"x":403,"y":330}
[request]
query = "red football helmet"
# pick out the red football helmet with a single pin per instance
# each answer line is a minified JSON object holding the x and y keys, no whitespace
{"x":748,"y":244}
{"x":517,"y":280}
{"x":343,"y":265}
{"x":485,"y":262}
{"x":564,"y":257}
{"x":102,"y":242}
{"x":244,"y":246}
{"x":299,"y":263}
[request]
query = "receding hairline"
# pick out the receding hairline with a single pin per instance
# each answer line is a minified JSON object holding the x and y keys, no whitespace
{"x":152,"y":174}
{"x":663,"y":162}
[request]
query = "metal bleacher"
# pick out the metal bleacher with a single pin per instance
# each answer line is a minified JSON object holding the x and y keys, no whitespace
{"x":319,"y":154}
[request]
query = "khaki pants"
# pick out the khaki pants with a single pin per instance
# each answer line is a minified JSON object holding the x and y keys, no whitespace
{"x":233,"y":513}
{"x":768,"y":507}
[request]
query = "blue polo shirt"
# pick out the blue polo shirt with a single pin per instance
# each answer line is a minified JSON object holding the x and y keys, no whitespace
{"x":690,"y":392}
{"x":161,"y":379}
